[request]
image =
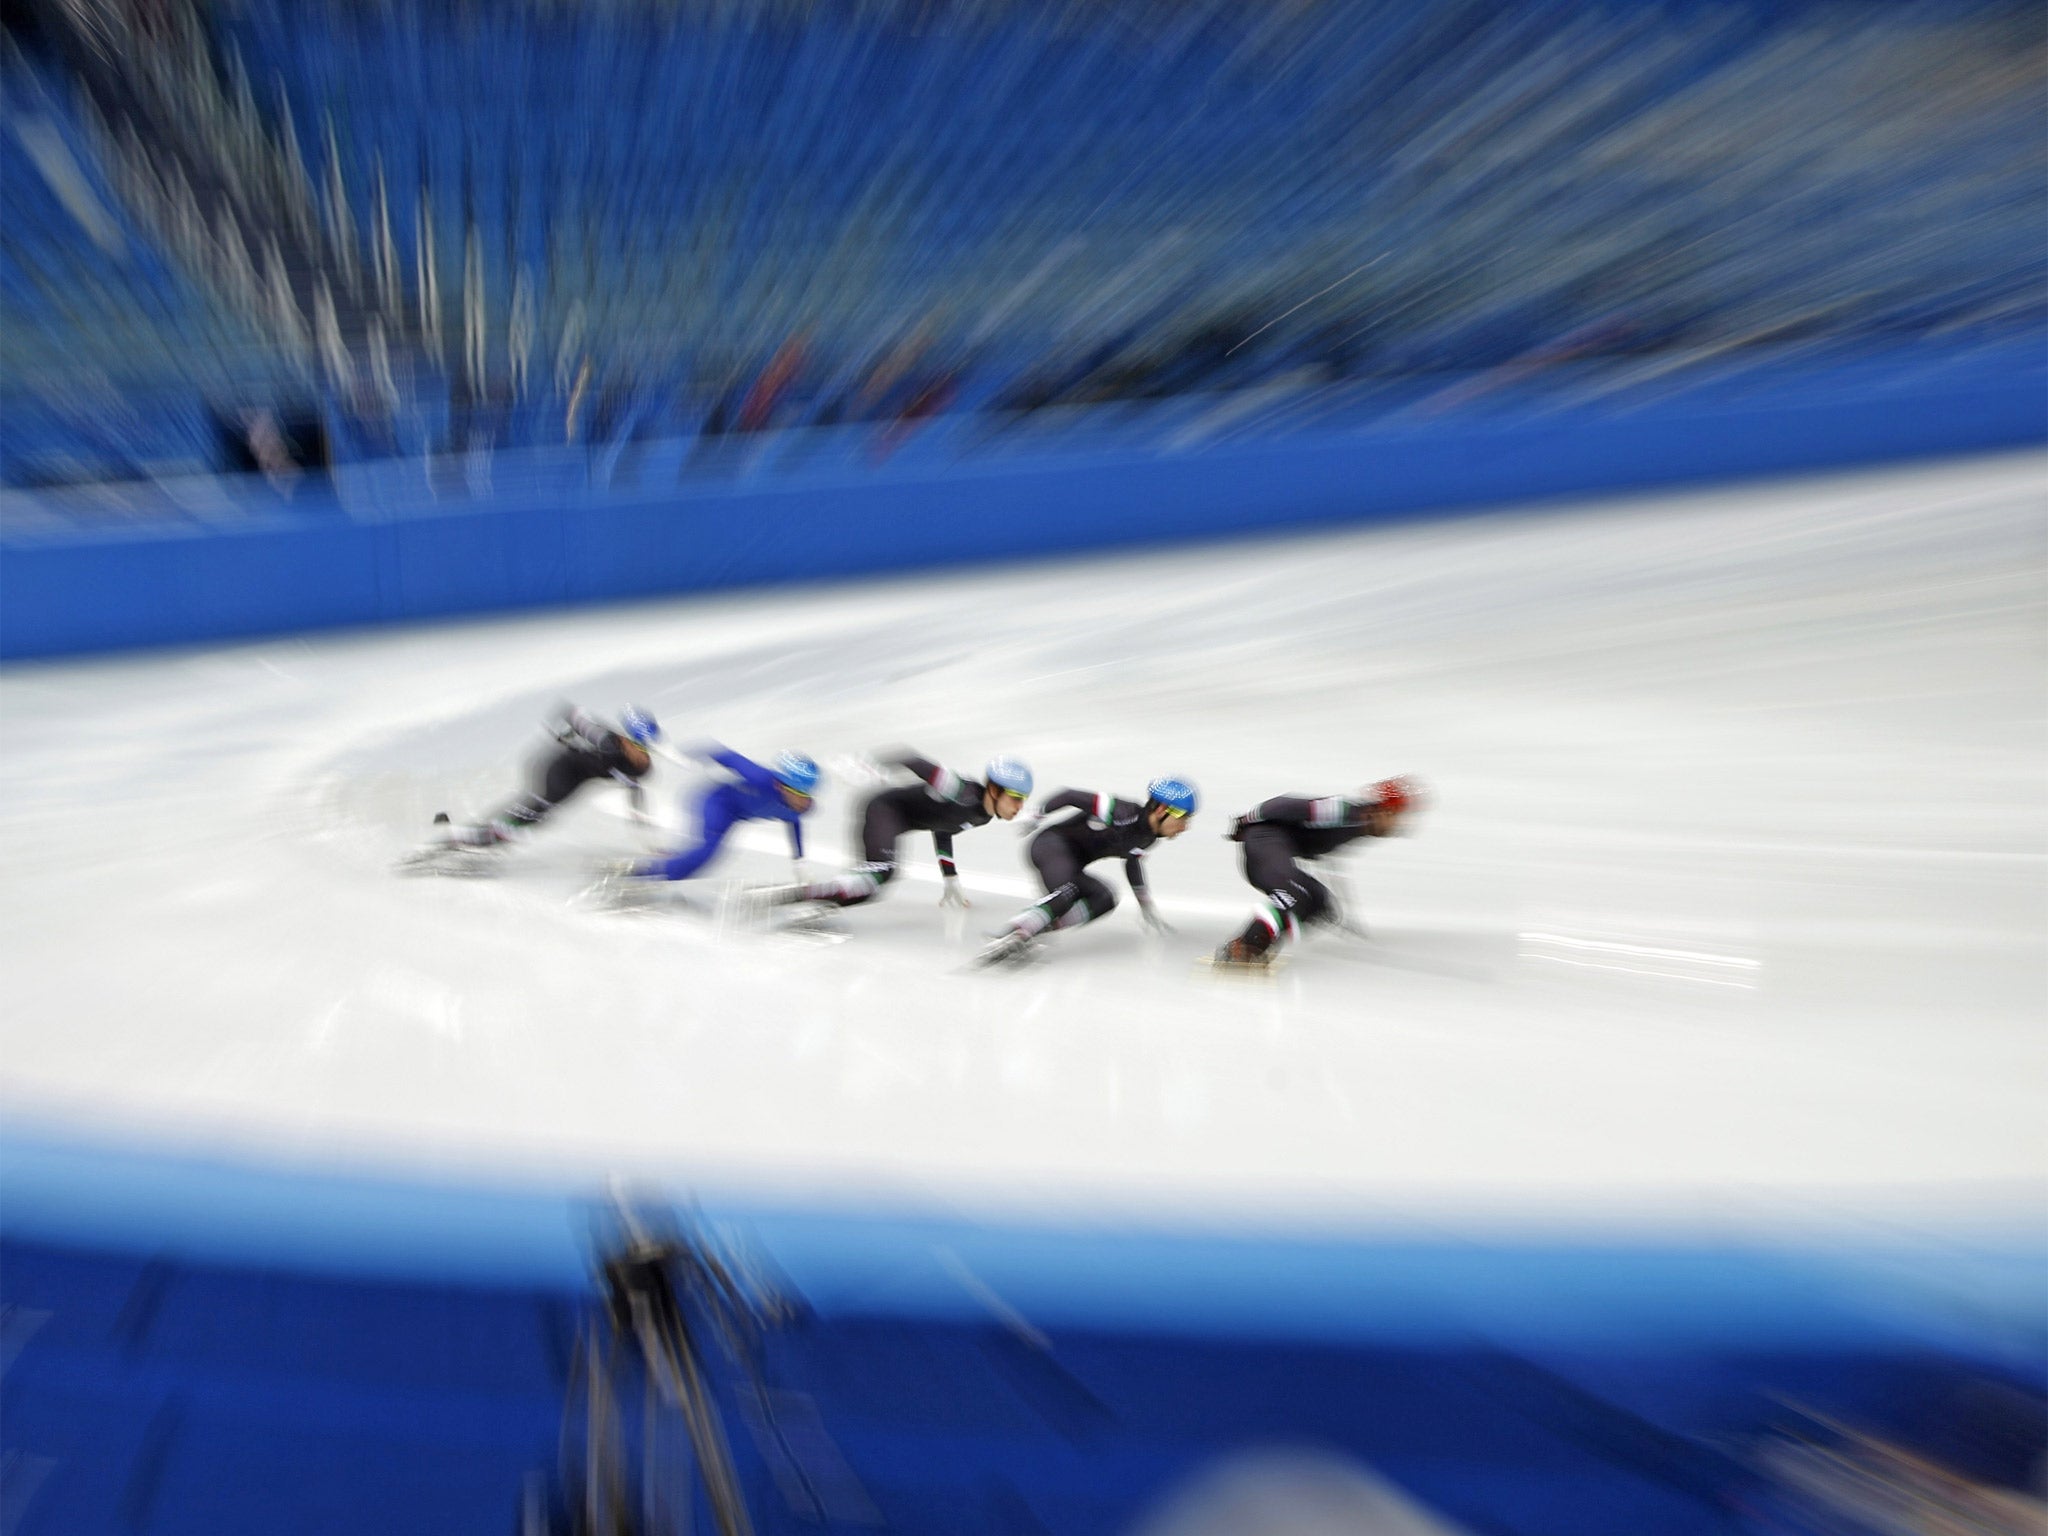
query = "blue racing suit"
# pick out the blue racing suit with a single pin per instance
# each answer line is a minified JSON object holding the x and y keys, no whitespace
{"x":753,"y":795}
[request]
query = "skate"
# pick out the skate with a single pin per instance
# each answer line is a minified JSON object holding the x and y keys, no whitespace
{"x":1240,"y":959}
{"x":810,"y":923}
{"x":758,"y":903}
{"x":445,"y":856}
{"x":783,"y":909}
{"x":812,"y":918}
{"x":1010,"y":948}
{"x":618,"y":889}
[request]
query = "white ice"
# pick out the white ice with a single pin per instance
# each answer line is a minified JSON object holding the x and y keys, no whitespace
{"x":1731,"y":898}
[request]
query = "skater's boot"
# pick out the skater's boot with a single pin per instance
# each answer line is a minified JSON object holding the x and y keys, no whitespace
{"x":1008,"y":948}
{"x":1244,"y":954}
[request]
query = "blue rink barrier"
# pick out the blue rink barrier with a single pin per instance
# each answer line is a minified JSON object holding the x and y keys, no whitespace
{"x":199,"y":1347}
{"x":379,"y":549}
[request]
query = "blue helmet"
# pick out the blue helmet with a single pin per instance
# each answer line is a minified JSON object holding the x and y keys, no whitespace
{"x":1008,"y":773}
{"x":638,"y":725}
{"x":795,"y":771}
{"x":1174,"y":794}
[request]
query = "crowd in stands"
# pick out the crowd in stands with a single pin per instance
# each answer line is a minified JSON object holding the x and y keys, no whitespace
{"x":446,"y":226}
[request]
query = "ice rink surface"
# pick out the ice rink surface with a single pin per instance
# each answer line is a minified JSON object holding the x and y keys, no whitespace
{"x":1732,"y":903}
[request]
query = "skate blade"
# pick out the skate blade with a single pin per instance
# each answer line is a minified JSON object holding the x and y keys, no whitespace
{"x":739,"y":913}
{"x":798,"y":933}
{"x":628,"y":898}
{"x":822,"y":923}
{"x":1016,"y":958}
{"x":1238,"y":969}
{"x":756,"y":906}
{"x":452,"y":863}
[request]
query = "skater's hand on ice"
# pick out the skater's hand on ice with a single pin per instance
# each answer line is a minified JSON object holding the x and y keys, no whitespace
{"x":1154,"y":923}
{"x":950,"y":895}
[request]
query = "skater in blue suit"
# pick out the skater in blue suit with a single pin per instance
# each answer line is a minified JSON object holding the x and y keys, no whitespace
{"x":754,"y":793}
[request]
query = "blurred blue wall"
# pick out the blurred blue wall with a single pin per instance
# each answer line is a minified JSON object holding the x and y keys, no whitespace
{"x":208,"y":1348}
{"x":378,"y":548}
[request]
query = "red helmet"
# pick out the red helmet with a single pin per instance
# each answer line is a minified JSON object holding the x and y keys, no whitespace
{"x":1396,"y":795}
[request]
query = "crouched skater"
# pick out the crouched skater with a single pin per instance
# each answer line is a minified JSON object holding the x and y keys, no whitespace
{"x":1278,"y":836}
{"x":942,"y":803}
{"x":1103,"y":827}
{"x":586,"y":751}
{"x":782,"y":792}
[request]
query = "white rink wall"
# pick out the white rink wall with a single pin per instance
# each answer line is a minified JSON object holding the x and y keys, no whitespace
{"x":1731,"y":906}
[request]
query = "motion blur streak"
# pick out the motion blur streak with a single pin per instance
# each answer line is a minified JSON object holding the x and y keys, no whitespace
{"x":1636,"y":1130}
{"x":267,"y":236}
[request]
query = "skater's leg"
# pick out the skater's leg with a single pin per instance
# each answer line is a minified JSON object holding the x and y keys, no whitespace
{"x":880,"y":828}
{"x":1313,"y":903}
{"x":559,"y":777}
{"x":1291,"y":896}
{"x":1092,"y":899}
{"x":717,"y":812}
{"x":1073,"y":897}
{"x":527,"y":811}
{"x":1060,"y":872}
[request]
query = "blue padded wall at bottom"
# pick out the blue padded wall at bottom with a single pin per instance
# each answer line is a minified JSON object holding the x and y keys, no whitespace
{"x":165,"y":1395}
{"x":196,"y":1346}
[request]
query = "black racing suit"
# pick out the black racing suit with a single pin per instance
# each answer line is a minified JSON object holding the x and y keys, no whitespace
{"x":1106,"y":828}
{"x":942,"y":805}
{"x":1277,"y":834}
{"x":585,"y":749}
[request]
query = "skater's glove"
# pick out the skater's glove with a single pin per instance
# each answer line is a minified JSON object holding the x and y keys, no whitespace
{"x":1154,"y":923}
{"x":950,"y":895}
